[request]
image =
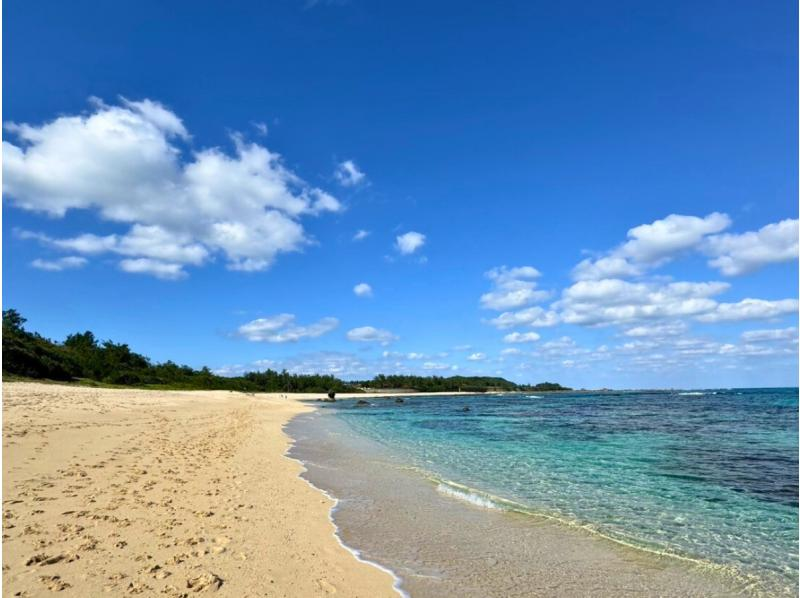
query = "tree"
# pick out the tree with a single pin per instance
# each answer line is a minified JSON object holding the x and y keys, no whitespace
{"x":13,"y":320}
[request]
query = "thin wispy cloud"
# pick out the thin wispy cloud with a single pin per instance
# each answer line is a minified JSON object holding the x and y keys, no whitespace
{"x":64,"y":263}
{"x":370,"y":334}
{"x":348,"y":174}
{"x":282,"y":328}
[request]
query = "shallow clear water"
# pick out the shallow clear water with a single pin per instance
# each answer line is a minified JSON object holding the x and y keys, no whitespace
{"x":709,"y":476}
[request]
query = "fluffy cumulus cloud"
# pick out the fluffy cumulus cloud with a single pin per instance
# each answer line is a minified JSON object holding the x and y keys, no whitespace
{"x":521,"y":337}
{"x":750,"y":309}
{"x":656,"y":315}
{"x":476,"y":357}
{"x":157,"y":268}
{"x":512,"y":288}
{"x":348,"y":174}
{"x":360,"y":235}
{"x":370,"y":334}
{"x":652,"y":245}
{"x":734,"y":255}
{"x":64,"y":263}
{"x":282,"y":328}
{"x":362,"y":289}
{"x":130,"y":164}
{"x":532,"y":316}
{"x":615,"y":301}
{"x":409,"y":242}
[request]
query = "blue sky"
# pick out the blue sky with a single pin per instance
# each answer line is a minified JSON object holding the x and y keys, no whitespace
{"x":601,"y":194}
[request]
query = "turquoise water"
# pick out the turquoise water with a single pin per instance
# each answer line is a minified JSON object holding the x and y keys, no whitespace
{"x":708,"y":476}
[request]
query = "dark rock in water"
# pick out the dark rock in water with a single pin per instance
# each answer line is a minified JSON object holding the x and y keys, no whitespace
{"x":329,"y":400}
{"x":465,"y":409}
{"x":399,"y":400}
{"x":331,"y":395}
{"x":361,"y":403}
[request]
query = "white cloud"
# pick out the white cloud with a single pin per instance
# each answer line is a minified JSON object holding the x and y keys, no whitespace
{"x":409,"y":242}
{"x":281,"y":328}
{"x":143,"y":265}
{"x":476,"y":357}
{"x":334,"y":363}
{"x":362,"y":289}
{"x":734,"y":255}
{"x":151,"y":242}
{"x":512,"y":288}
{"x":606,"y":267}
{"x":503,"y":274}
{"x":559,"y":344}
{"x":370,"y":334}
{"x":413,"y":356}
{"x":348,"y":174}
{"x":657,"y":330}
{"x":750,"y":309}
{"x":361,"y":235}
{"x":126,"y":163}
{"x":437,"y":366}
{"x":652,"y":245}
{"x":615,"y":301}
{"x":521,"y":337}
{"x":261,"y":127}
{"x":64,"y":263}
{"x":532,"y":316}
{"x":663,"y":239}
{"x":776,"y":334}
{"x":511,"y":351}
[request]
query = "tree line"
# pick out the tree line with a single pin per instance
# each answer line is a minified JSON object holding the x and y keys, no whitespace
{"x":83,"y":357}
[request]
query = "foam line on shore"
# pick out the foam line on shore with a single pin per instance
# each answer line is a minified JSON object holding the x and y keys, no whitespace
{"x":397,"y":581}
{"x":485,"y":500}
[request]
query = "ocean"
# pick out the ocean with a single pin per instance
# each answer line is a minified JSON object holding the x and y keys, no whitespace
{"x":703,"y":483}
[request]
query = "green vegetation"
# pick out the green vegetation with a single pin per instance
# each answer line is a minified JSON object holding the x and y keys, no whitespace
{"x":83,"y":358}
{"x":438,"y":383}
{"x":452,"y":384}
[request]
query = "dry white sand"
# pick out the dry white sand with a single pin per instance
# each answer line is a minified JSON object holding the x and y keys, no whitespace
{"x":116,"y":492}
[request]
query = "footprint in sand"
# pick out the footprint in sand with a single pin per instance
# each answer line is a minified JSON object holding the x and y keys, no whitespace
{"x":325,"y":586}
{"x":54,"y":583}
{"x":206,"y":580}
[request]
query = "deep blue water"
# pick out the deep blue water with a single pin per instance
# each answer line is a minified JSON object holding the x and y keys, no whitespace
{"x":704,"y":475}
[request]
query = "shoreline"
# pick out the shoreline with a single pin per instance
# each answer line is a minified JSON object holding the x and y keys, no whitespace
{"x":396,"y":580}
{"x":137,"y":491}
{"x":141,"y":491}
{"x":542,"y":551}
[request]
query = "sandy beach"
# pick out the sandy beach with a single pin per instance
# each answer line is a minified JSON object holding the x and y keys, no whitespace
{"x":164,"y":493}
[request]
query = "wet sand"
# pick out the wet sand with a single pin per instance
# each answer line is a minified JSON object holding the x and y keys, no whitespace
{"x":442,"y":546}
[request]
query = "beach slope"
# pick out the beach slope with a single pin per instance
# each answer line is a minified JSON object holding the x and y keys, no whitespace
{"x":169,"y":493}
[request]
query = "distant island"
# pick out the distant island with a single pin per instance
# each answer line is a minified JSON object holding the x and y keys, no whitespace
{"x":84,"y":359}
